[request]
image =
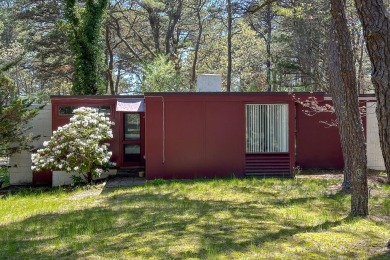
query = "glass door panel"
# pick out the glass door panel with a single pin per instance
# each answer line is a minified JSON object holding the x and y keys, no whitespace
{"x":132,"y":127}
{"x":132,"y":153}
{"x":132,"y":139}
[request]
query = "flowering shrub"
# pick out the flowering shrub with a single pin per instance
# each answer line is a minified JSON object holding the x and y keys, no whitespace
{"x":78,"y":146}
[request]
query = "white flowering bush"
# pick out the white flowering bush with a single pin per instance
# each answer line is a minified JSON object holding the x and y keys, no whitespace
{"x":78,"y":147}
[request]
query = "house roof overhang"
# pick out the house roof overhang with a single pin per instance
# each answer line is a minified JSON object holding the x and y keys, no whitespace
{"x":130,"y":105}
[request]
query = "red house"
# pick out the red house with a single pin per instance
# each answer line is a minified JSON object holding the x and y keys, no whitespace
{"x":197,"y":135}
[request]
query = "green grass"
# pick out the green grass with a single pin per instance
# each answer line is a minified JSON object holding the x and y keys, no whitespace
{"x":198,"y":219}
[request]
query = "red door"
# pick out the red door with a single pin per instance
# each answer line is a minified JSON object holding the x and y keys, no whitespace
{"x":132,"y":139}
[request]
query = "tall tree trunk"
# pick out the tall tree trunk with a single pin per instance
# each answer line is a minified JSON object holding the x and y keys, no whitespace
{"x":197,"y":44}
{"x":376,"y":28}
{"x":109,"y":63}
{"x":352,"y":128}
{"x":269,"y":34}
{"x":118,"y":77}
{"x":154,"y":22}
{"x":360,"y":74}
{"x":229,"y":44}
{"x":174,"y":17}
{"x":89,"y":177}
{"x":336,"y":89}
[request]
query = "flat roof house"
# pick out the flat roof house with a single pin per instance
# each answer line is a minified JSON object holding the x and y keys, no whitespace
{"x":208,"y":134}
{"x":212,"y":135}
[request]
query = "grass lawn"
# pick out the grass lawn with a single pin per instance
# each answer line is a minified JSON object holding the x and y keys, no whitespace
{"x":305,"y":218}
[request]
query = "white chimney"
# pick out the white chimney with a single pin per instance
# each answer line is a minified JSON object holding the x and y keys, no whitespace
{"x":209,"y":83}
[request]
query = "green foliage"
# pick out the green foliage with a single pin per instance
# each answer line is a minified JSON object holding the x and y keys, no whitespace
{"x":15,"y":113}
{"x":4,"y":176}
{"x":160,"y":75}
{"x":137,"y":31}
{"x":84,"y":30}
{"x":46,"y":67}
{"x":77,"y":180}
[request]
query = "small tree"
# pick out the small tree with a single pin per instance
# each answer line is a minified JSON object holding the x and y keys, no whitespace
{"x":15,"y":111}
{"x":78,"y":147}
{"x":160,"y":75}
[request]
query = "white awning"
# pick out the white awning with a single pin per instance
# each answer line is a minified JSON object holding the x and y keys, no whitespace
{"x":130,"y":105}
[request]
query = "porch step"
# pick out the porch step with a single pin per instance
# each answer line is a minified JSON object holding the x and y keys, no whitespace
{"x":130,"y":172}
{"x":120,"y":181}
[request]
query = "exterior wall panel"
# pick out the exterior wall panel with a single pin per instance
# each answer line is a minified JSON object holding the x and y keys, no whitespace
{"x":225,"y":139}
{"x":20,"y":171}
{"x":374,"y":153}
{"x":201,"y":138}
{"x":185,"y":138}
{"x":204,"y":133}
{"x":317,"y":145}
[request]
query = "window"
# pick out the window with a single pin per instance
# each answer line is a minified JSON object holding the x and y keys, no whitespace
{"x":132,"y":127}
{"x":68,"y":110}
{"x":266,"y":128}
{"x":132,"y":153}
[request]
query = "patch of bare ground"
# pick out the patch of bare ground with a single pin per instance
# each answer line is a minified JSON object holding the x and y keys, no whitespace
{"x":321,"y":174}
{"x":374,"y":177}
{"x":379,"y":218}
{"x":377,"y":177}
{"x":324,"y":175}
{"x":89,"y":191}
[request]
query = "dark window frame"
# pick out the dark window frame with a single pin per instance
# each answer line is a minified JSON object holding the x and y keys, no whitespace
{"x":69,"y":110}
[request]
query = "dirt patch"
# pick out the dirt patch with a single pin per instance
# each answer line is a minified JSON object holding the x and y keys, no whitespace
{"x":323,"y":176}
{"x":373,"y":177}
{"x":87,"y":193}
{"x":377,"y":179}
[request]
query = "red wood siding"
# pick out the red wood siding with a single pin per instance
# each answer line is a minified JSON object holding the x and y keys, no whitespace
{"x":195,"y":135}
{"x":203,"y":135}
{"x":267,"y":164}
{"x":202,"y":139}
{"x":317,"y":145}
{"x":79,"y":101}
{"x":43,"y":177}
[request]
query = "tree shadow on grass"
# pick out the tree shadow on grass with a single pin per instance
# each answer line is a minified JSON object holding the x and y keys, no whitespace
{"x":148,"y":225}
{"x":381,"y":256}
{"x":333,"y":201}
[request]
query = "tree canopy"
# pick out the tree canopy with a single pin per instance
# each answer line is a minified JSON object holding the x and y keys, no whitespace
{"x":15,"y":111}
{"x":98,"y":47}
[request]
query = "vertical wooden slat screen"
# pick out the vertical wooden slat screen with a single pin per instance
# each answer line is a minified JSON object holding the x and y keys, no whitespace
{"x":266,"y":128}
